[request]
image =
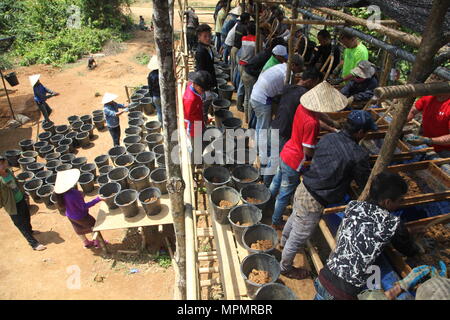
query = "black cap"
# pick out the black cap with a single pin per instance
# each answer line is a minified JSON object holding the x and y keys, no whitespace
{"x":202,"y":78}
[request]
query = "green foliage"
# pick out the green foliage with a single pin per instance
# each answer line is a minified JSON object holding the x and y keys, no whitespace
{"x":163,"y":261}
{"x":143,"y":58}
{"x":43,"y":33}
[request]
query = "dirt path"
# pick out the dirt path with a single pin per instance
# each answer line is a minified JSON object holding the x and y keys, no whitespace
{"x":26,"y":274}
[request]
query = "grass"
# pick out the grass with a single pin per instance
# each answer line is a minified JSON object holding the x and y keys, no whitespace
{"x":163,"y":261}
{"x":143,"y":58}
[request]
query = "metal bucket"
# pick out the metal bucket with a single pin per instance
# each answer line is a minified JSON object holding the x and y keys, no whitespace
{"x":125,"y":160}
{"x":215,"y":176}
{"x":67,"y":158}
{"x":24,"y":162}
{"x":136,"y":97}
{"x":154,"y":139}
{"x":78,"y":162}
{"x":45,"y":192}
{"x":243,"y":214}
{"x":119,"y":175}
{"x":261,"y":262}
{"x":136,"y":148}
{"x":89,"y":167}
{"x":146,"y":158}
{"x":161,"y":161}
{"x":86,"y":182}
{"x":129,"y":140}
{"x":158,"y":178}
{"x":97,"y":113}
{"x":108,"y":192}
{"x":151,"y":208}
{"x":259,"y":232}
{"x":226,"y":91}
{"x":153,"y":126}
{"x":31,"y":187}
{"x":26,"y":144}
{"x":139,"y":178}
{"x":66,"y":142}
{"x":102,"y":160}
{"x":244,"y":175}
{"x":116,"y":151}
{"x":135,"y":115}
{"x":221,"y":81}
{"x":219,"y":194}
{"x":12,"y":156}
{"x":221,"y":104}
{"x":135,"y":106}
{"x":126,"y":200}
{"x":275,"y":291}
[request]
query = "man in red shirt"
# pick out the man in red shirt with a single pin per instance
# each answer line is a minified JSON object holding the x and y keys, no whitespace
{"x":306,"y":126}
{"x":435,"y":123}
{"x":193,"y":107}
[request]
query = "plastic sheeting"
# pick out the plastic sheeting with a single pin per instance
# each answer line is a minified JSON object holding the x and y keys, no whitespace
{"x":412,"y":14}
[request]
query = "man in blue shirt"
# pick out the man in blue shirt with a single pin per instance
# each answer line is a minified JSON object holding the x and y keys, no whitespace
{"x":40,"y":96}
{"x":112,"y":113}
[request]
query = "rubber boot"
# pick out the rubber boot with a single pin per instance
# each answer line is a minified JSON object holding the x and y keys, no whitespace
{"x":240,"y":103}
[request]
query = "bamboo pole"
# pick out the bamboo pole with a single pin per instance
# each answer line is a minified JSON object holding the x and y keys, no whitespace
{"x":406,"y":38}
{"x":318,"y":22}
{"x":421,"y":70}
{"x":291,"y":45}
{"x":258,"y":30}
{"x":175,"y":184}
{"x":412,"y":90}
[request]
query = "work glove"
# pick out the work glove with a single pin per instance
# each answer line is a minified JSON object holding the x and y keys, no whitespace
{"x":414,"y":277}
{"x":350,"y":100}
{"x":418,"y":140}
{"x":435,"y":273}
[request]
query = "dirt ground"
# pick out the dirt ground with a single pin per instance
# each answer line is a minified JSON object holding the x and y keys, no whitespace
{"x":27,"y":274}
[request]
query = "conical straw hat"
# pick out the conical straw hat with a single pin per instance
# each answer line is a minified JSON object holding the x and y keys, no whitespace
{"x":33,"y":79}
{"x":108,"y":97}
{"x":324,"y":98}
{"x":153,"y":63}
{"x":65,"y":180}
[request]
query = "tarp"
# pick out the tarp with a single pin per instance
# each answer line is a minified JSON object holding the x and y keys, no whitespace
{"x":412,"y":14}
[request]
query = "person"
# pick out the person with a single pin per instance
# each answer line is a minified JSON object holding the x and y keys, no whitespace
{"x":239,"y":31}
{"x":227,"y":37}
{"x":70,"y":199}
{"x":269,"y":84}
{"x":435,"y":123}
{"x":285,"y":113}
{"x":142,"y":25}
{"x":279,"y":55}
{"x":221,"y":15}
{"x":244,"y":54}
{"x":300,"y":147}
{"x":324,"y":51}
{"x":92,"y":64}
{"x":112,"y":113}
{"x":354,"y":52}
{"x":367,"y":227}
{"x":338,"y":160}
{"x":364,"y":81}
{"x":153,"y":86}
{"x":40,"y":96}
{"x":15,"y":204}
{"x":194,"y":117}
{"x":191,"y":27}
{"x":204,"y":56}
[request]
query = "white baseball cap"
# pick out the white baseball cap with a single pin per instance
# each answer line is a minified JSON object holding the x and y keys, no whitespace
{"x":280,"y":50}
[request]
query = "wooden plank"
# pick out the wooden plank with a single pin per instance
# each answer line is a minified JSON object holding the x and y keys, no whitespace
{"x":207,"y":253}
{"x":318,"y":265}
{"x":209,"y":282}
{"x":207,"y":258}
{"x":205,"y":232}
{"x":208,"y":270}
{"x":420,"y":224}
{"x":327,"y":234}
{"x":397,"y":261}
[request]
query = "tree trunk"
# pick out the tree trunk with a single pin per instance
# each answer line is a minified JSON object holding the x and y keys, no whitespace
{"x":432,"y":40}
{"x":175,"y":184}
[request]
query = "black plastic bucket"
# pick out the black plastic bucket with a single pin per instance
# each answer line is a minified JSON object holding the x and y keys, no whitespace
{"x":139,"y":178}
{"x":154,"y":139}
{"x":43,"y":175}
{"x":67,"y":158}
{"x":102,"y":160}
{"x":129,"y":140}
{"x":153,"y":126}
{"x":256,"y":191}
{"x":51,"y":179}
{"x":116,"y":151}
{"x":31,"y":187}
{"x":54,"y":140}
{"x":141,"y":91}
{"x":88,"y":128}
{"x":102,"y":179}
{"x":259,"y":232}
{"x":226,"y":91}
{"x":24,"y":177}
{"x":62,"y":129}
{"x":147,"y":105}
{"x":62,"y":150}
{"x":86,"y":182}
{"x":61,"y":211}
{"x":213,"y":157}
{"x":221,"y":104}
{"x":73,"y":135}
{"x":11,"y":78}
{"x":242,"y":217}
{"x":24,"y":162}
{"x":77,"y":125}
{"x":136,"y":148}
{"x":73,"y":119}
{"x":89,"y":167}
{"x":133,"y":131}
{"x":45,"y":192}
{"x":119,"y":175}
{"x":125,"y":160}
{"x":99,"y":122}
{"x":275,"y":291}
{"x":26,"y":144}
{"x":215,"y":176}
{"x":158,"y":149}
{"x":147,"y":159}
{"x":78,"y":162}
{"x":151,"y":206}
{"x":45,"y":136}
{"x":136,"y":97}
{"x":231,"y":123}
{"x":86,"y":119}
{"x":135,"y":115}
{"x":40,"y":144}
{"x":29,"y":154}
{"x":108,"y":192}
{"x":126,"y":200}
{"x":136,"y":123}
{"x":53,"y":164}
{"x":158,"y":178}
{"x":97,"y":113}
{"x":223,"y":193}
{"x":161,"y":160}
{"x":44,"y":151}
{"x":35,"y":167}
{"x":135,"y":106}
{"x":105,"y":169}
{"x":260,"y":262}
{"x":221,"y":81}
{"x":48,"y":126}
{"x":221,"y":115}
{"x":12,"y":156}
{"x":244,"y":175}
{"x":63,"y":167}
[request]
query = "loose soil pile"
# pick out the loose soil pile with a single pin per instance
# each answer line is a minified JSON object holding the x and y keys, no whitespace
{"x":216,"y":180}
{"x":262,"y":245}
{"x":246,"y":180}
{"x":253,"y":200}
{"x":413,"y":187}
{"x":152,"y":199}
{"x":259,"y":277}
{"x":224,"y":204}
{"x":439,"y":236}
{"x":245,"y":224}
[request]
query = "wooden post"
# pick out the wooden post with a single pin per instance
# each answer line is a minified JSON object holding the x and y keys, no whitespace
{"x":291,"y":44}
{"x":258,"y":30}
{"x":175,"y":184}
{"x":7,"y":95}
{"x":412,"y":90}
{"x":433,"y":40}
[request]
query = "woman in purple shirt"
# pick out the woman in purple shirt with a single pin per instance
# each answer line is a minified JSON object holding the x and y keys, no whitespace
{"x":72,"y":200}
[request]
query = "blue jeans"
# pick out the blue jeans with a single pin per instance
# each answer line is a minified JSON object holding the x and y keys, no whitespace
{"x":283,"y":186}
{"x":218,"y":41}
{"x":157,"y":104}
{"x":322,"y":293}
{"x":263,"y":113}
{"x":226,"y":52}
{"x":274,"y":160}
{"x":115,"y":134}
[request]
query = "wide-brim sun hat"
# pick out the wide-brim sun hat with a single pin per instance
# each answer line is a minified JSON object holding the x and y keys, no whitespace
{"x":66,"y":180}
{"x":108,"y":97}
{"x":236,"y":11}
{"x":153,"y":63}
{"x":324,"y":98}
{"x":364,"y":70}
{"x":34,"y":79}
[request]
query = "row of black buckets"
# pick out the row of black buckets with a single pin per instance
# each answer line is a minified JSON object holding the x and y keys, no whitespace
{"x":141,"y":100}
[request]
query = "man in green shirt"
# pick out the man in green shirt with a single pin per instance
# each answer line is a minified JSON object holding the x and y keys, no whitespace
{"x":13,"y":200}
{"x":221,"y":15}
{"x":354,"y":52}
{"x":279,"y":55}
